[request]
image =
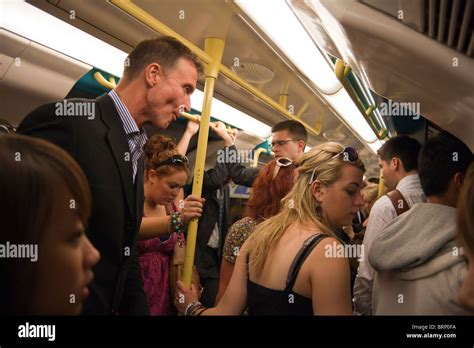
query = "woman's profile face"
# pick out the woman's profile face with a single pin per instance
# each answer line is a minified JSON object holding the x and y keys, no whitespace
{"x":166,"y":188}
{"x":65,"y":261}
{"x":341,"y":200}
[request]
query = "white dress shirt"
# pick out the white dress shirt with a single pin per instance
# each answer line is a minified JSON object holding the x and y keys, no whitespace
{"x":381,"y":214}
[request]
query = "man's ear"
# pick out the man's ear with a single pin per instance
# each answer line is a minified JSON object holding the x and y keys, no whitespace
{"x":153,"y":74}
{"x":395,"y":163}
{"x":301,"y":145}
{"x":458,"y":180}
{"x":317,"y":190}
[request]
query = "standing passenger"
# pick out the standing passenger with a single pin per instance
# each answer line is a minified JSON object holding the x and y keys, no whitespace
{"x":106,"y":137}
{"x":166,"y":174}
{"x":273,"y":183}
{"x":399,"y":163}
{"x":417,"y":259}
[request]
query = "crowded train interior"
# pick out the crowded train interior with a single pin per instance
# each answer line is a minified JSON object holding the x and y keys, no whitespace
{"x":238,"y":158}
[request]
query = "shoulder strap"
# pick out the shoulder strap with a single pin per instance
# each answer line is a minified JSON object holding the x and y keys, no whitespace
{"x":300,"y":258}
{"x":398,"y":201}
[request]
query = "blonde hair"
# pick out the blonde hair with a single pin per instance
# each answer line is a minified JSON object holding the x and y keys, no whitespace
{"x":370,"y":194}
{"x":465,"y":209}
{"x":299,"y":204}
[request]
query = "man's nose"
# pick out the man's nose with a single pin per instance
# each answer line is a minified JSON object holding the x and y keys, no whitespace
{"x":186,"y":103}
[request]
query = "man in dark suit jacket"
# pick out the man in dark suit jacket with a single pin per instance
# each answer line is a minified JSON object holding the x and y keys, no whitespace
{"x":106,"y":137}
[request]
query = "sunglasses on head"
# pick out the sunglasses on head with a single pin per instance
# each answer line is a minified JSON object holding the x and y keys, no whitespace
{"x":349,"y":154}
{"x":281,"y":162}
{"x":175,"y":160}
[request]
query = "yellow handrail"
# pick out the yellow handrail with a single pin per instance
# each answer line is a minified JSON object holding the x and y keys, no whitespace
{"x":256,"y":155}
{"x":283,"y":99}
{"x":191,"y":117}
{"x":197,"y":119}
{"x":381,"y":185}
{"x":263,"y":97}
{"x":342,"y":71}
{"x":144,"y":17}
{"x":302,"y":110}
{"x":319,"y":121}
{"x":215,"y":48}
{"x":112,"y":80}
{"x":101,"y":79}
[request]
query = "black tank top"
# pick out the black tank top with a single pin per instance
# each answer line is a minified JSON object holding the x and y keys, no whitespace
{"x":265,"y":301}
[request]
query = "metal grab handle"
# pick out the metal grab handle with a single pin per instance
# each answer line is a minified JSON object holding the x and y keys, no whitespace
{"x":256,"y":155}
{"x":197,"y":119}
{"x":102,"y":81}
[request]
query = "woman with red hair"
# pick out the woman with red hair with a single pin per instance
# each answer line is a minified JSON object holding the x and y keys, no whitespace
{"x":271,"y":185}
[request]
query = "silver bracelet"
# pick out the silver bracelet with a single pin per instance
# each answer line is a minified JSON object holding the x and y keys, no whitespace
{"x":190,"y":307}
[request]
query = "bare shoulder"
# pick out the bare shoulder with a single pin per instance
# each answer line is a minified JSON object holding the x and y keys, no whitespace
{"x":328,"y":250}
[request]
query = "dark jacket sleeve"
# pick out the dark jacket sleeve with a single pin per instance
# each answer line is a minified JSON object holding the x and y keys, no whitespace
{"x":43,"y":123}
{"x":134,"y":300}
{"x":214,"y":178}
{"x":239,"y":173}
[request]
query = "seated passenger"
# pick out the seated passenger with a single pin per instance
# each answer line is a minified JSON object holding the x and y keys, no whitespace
{"x":291,"y":265}
{"x":466,"y":235}
{"x":417,"y":259}
{"x":46,"y":259}
{"x":273,"y":183}
{"x":399,"y":162}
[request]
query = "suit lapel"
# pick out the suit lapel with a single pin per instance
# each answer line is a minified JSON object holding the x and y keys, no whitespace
{"x":118,"y":143}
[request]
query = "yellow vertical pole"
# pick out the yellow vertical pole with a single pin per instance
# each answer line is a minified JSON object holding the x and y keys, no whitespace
{"x":381,"y":185}
{"x":283,"y":98}
{"x":302,"y":110}
{"x":214,"y":48}
{"x":319,"y":121}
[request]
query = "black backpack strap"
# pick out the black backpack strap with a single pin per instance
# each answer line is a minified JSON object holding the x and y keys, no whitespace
{"x":308,"y":246}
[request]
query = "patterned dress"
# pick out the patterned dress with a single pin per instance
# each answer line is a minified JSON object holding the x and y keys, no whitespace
{"x":237,"y":235}
{"x":155,"y":257}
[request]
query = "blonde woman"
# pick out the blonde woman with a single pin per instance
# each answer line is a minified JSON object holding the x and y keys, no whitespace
{"x":290,"y":264}
{"x":369,"y":194}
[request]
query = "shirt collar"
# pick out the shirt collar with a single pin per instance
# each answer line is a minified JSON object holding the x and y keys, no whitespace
{"x":409,"y":181}
{"x":129,"y":124}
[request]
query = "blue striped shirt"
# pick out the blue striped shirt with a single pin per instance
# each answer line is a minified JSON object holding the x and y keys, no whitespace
{"x":136,"y":137}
